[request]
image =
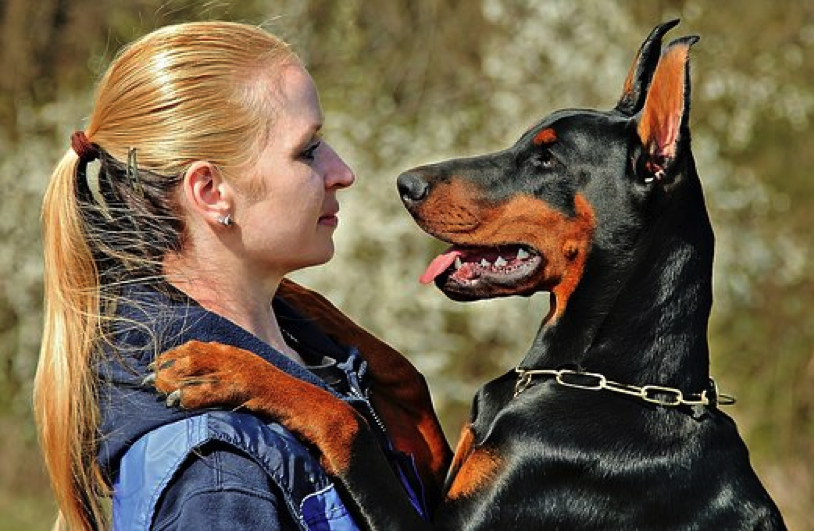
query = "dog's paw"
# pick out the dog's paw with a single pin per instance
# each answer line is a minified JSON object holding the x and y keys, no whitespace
{"x":204,"y":375}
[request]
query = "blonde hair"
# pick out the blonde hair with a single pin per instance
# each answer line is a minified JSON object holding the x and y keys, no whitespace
{"x":196,"y":91}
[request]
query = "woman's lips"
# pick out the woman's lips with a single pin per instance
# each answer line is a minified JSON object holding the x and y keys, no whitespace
{"x":329,"y":220}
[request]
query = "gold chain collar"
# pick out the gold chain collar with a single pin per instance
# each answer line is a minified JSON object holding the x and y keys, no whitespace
{"x":658,"y":395}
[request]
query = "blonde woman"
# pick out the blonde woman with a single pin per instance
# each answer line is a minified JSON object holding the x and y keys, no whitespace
{"x":200,"y":180}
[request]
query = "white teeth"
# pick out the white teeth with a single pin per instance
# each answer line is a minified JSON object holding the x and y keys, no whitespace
{"x":458,"y":262}
{"x":500,"y":262}
{"x":484,"y":263}
{"x":522,"y":254}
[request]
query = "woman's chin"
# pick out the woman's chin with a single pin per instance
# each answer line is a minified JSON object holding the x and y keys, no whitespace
{"x":321,"y":256}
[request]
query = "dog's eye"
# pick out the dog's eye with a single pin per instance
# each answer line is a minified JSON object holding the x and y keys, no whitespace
{"x":543,"y":160}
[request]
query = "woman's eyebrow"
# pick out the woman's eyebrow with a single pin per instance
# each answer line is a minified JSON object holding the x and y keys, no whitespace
{"x":310,"y":133}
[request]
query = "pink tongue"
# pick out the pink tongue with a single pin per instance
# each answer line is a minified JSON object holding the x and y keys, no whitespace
{"x":439,"y":264}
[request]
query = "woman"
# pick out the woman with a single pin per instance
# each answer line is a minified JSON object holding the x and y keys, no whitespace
{"x":213,"y":183}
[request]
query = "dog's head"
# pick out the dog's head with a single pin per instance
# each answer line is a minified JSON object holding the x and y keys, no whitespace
{"x":527,"y":219}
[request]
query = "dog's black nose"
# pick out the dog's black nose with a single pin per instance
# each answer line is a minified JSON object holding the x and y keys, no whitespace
{"x":412,"y":187}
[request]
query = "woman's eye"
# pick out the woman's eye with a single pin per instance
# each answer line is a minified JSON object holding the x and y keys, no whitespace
{"x":310,"y":152}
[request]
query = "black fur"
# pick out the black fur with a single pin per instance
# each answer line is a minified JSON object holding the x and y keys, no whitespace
{"x":583,"y":459}
{"x":604,"y":210}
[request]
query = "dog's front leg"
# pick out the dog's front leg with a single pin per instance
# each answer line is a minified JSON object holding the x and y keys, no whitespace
{"x":199,"y":375}
{"x":400,"y":393}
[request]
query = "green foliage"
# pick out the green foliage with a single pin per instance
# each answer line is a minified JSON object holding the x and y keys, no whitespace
{"x":404,"y":83}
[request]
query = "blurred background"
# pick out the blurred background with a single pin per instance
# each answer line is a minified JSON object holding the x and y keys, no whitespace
{"x":406,"y":82}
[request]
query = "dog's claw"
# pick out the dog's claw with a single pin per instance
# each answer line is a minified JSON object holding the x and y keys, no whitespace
{"x":174,"y":399}
{"x":149,"y":380}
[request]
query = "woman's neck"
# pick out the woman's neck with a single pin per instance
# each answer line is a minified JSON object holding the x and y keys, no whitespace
{"x":233,"y":295}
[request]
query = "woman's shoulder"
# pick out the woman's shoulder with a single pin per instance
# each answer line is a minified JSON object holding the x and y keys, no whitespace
{"x":276,"y":450}
{"x":221,"y":487}
{"x":226,"y":460}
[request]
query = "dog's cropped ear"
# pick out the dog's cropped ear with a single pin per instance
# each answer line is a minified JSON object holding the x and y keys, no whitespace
{"x":642,"y":69}
{"x":663,"y":122}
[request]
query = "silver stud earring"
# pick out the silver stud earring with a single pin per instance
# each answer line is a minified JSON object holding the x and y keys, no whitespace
{"x":225,"y":220}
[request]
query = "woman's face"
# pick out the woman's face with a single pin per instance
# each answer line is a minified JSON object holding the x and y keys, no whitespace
{"x":291,"y":222}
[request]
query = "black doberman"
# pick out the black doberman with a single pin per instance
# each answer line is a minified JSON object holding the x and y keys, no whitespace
{"x":611,"y":420}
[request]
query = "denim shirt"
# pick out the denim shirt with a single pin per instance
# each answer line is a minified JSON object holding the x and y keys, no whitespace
{"x":174,"y":469}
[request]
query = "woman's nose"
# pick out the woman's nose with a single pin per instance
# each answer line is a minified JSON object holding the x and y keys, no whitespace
{"x":339,"y":174}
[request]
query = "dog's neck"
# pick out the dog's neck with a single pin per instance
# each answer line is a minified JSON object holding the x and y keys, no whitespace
{"x":650,"y":324}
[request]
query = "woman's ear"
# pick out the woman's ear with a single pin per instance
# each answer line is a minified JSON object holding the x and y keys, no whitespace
{"x":208,"y":194}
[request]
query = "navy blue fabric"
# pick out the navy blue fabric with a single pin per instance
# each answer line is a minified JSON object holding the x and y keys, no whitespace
{"x":303,"y":492}
{"x":215,"y":486}
{"x":151,"y":322}
{"x":221,"y":488}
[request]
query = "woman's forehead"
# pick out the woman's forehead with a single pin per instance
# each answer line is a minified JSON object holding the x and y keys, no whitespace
{"x":298,"y":97}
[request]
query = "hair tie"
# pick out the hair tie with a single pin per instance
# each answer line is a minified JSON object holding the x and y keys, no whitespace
{"x":84,"y":148}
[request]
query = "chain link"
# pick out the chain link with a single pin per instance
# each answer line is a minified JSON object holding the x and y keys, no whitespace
{"x":658,"y":395}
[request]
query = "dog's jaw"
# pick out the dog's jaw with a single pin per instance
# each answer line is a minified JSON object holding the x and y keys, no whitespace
{"x":517,"y":248}
{"x":466,"y":273}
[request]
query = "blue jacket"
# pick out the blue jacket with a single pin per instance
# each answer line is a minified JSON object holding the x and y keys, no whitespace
{"x":209,"y":470}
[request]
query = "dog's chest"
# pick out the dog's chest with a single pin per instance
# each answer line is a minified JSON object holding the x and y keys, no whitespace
{"x":492,"y":400}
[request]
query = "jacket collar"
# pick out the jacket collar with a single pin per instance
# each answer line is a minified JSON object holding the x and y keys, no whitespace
{"x":151,"y":320}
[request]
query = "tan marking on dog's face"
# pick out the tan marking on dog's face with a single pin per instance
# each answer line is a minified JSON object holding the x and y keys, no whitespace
{"x":450,"y":209}
{"x":545,"y":136}
{"x":455,"y":212}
